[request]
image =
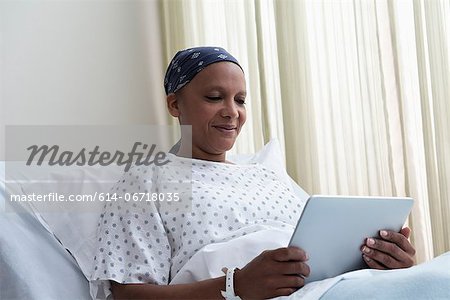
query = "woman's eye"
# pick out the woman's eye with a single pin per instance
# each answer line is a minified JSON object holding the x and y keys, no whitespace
{"x":240,"y":101}
{"x":213,"y":98}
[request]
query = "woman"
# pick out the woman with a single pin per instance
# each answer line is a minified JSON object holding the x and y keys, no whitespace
{"x":140,"y":251}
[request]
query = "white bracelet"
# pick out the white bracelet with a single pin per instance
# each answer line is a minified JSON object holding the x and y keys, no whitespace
{"x":229,"y":294}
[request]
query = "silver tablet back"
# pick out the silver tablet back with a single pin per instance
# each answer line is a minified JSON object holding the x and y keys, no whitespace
{"x":332,"y":229}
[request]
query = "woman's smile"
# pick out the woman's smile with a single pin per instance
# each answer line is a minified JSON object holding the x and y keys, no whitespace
{"x":228,"y":130}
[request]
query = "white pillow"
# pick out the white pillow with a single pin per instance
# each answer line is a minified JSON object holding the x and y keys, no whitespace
{"x":74,"y":224}
{"x":77,"y":230}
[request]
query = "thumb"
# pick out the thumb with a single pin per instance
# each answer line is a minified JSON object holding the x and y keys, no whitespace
{"x":406,"y":231}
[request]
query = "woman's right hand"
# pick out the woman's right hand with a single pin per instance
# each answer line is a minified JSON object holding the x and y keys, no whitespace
{"x":273,"y":273}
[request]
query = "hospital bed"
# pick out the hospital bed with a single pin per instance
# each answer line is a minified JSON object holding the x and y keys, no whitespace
{"x":43,"y":256}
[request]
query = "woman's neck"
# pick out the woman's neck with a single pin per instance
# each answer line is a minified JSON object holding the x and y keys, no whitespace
{"x":200,"y":154}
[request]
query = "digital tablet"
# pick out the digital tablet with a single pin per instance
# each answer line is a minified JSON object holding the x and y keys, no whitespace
{"x":332,"y":229}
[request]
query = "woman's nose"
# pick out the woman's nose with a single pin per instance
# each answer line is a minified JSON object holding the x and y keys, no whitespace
{"x":230,"y":109}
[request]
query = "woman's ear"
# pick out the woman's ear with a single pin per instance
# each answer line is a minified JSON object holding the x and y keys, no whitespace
{"x":172,"y":105}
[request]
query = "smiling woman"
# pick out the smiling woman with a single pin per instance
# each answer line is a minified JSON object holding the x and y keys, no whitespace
{"x":142,"y":248}
{"x":214,"y":104}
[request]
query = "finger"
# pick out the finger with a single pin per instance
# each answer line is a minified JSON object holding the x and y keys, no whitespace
{"x":389,"y":248}
{"x":288,"y":281}
{"x":372,"y":263}
{"x":289,"y":253}
{"x":293,"y":268}
{"x":406,"y":231}
{"x":384,"y":258}
{"x":399,"y":239}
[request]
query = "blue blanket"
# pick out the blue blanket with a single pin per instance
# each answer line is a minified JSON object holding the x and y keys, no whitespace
{"x":33,"y":264}
{"x":429,"y":280}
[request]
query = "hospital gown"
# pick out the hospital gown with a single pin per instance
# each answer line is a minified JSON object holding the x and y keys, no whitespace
{"x":150,"y":241}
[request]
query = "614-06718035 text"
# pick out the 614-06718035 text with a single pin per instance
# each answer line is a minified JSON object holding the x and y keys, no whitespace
{"x":102,"y":197}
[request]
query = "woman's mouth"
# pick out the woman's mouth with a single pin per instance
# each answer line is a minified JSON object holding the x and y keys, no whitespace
{"x":226,"y":129}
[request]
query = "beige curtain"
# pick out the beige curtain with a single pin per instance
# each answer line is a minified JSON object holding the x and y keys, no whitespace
{"x":432,"y":28}
{"x":354,"y":90}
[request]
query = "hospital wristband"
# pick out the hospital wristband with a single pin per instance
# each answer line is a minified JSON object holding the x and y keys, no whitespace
{"x":229,"y":294}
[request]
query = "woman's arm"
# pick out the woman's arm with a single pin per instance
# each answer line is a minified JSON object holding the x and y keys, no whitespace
{"x":207,"y":289}
{"x":273,"y":273}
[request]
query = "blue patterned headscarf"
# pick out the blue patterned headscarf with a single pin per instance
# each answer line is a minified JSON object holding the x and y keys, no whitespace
{"x":188,"y":63}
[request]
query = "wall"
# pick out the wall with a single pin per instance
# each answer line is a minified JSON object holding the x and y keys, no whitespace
{"x":80,"y":62}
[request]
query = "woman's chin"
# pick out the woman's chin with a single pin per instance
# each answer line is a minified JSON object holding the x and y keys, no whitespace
{"x":215,"y":147}
{"x":227,"y":146}
{"x":220,"y":148}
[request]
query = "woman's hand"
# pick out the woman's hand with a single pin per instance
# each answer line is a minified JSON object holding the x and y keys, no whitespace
{"x":391,"y":251}
{"x":273,"y":273}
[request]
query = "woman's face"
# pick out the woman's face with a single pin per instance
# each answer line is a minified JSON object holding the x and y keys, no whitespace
{"x":213,"y":103}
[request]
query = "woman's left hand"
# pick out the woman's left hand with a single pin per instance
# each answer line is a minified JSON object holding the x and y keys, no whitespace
{"x":391,"y":251}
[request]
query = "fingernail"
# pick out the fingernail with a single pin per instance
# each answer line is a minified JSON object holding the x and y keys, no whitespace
{"x":307,"y":256}
{"x":366,"y":250}
{"x":383,"y":233}
{"x":370,"y":242}
{"x":366,"y":258}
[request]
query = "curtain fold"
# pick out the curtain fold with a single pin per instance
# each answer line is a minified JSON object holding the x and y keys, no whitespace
{"x":410,"y":112}
{"x":356,"y":91}
{"x":432,"y":26}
